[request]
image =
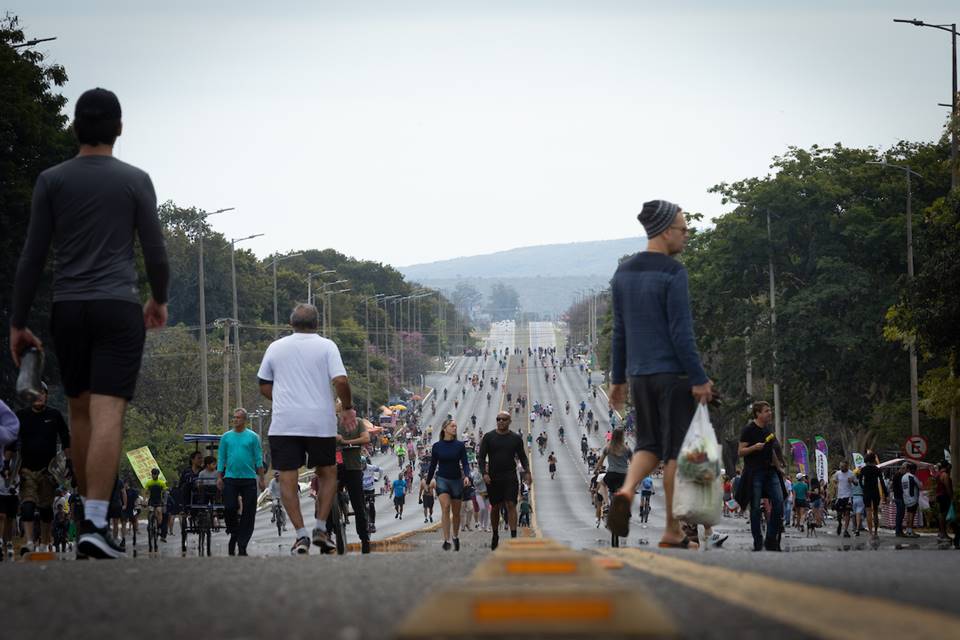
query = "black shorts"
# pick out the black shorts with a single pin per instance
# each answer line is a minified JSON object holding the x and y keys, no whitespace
{"x":665,"y":408}
{"x":9,"y":506}
{"x":871,"y":500}
{"x":398,"y":501}
{"x":614,"y":480}
{"x":843,"y":505}
{"x":289,"y":453}
{"x":114,"y":513}
{"x":505,"y":488}
{"x":99,"y":345}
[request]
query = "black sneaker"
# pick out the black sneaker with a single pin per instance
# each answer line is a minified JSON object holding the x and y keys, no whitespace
{"x":97,"y":543}
{"x":364,"y":546}
{"x":445,"y":545}
{"x":456,"y":544}
{"x":846,"y":534}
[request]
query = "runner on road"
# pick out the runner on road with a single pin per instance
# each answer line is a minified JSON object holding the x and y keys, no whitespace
{"x":500,"y":450}
{"x":90,"y":207}
{"x":653,"y":344}
{"x":399,"y":497}
{"x":552,"y":461}
{"x":296,"y":374}
{"x":450,"y":470}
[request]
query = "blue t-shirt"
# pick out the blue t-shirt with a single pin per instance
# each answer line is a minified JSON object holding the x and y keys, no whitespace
{"x":240,"y":454}
{"x":399,"y":488}
{"x":647,"y":484}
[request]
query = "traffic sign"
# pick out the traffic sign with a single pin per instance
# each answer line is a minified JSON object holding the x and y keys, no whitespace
{"x":915,"y":447}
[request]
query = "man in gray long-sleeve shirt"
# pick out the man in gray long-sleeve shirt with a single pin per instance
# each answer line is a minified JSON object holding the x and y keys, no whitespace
{"x":89,"y":207}
{"x":653,"y":343}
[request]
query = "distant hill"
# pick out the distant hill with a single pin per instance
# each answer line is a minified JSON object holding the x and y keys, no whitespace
{"x":595,"y":258}
{"x":546,"y":277}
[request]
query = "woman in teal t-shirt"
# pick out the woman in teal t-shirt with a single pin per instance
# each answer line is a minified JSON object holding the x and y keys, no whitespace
{"x":800,"y":489}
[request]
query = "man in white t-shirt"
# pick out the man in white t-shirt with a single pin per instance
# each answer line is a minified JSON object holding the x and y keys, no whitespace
{"x":296,"y":375}
{"x":844,"y":479}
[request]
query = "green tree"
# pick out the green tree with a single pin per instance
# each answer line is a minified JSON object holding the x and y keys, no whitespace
{"x":33,"y":137}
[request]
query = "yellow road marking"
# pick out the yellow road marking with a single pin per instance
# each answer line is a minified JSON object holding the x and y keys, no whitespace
{"x":553,"y":609}
{"x":874,"y":617}
{"x":540,"y":567}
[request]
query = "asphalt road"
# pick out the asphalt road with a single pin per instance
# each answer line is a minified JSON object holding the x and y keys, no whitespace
{"x":821,"y":587}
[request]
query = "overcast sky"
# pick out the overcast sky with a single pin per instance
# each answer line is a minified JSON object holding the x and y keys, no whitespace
{"x":411,"y":131}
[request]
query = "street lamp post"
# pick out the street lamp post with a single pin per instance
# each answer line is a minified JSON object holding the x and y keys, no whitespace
{"x":954,"y":101}
{"x":236,"y":313}
{"x":328,"y":307}
{"x":276,"y":319}
{"x":310,"y":277}
{"x":773,"y":326}
{"x":324,"y":298}
{"x":386,"y":338}
{"x":204,"y":383}
{"x":914,"y":392}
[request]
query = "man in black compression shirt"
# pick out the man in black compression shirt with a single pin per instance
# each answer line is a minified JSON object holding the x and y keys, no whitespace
{"x":89,"y":208}
{"x":502,"y":448}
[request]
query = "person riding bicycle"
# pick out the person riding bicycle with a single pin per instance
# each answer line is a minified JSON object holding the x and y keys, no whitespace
{"x":401,"y":452}
{"x":155,"y":488}
{"x":560,"y":433}
{"x":275,"y":496}
{"x":370,"y":473}
{"x":646,"y":490}
{"x":584,"y":446}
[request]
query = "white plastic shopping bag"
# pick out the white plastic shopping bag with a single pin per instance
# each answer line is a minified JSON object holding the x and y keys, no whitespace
{"x":698,"y":491}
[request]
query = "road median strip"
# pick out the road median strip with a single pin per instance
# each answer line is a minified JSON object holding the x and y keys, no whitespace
{"x":839,"y":615}
{"x":537,"y":586}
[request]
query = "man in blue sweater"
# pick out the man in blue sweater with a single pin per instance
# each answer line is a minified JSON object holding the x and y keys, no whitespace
{"x":240,"y":466}
{"x":653,"y":344}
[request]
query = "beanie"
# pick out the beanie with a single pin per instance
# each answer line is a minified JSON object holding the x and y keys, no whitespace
{"x":656,"y":216}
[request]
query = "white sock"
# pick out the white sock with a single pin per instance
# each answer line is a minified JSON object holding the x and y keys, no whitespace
{"x":302,"y":533}
{"x":320,"y":524}
{"x":96,"y":512}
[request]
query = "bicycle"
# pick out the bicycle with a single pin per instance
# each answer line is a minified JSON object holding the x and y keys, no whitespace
{"x":153,"y":531}
{"x":339,"y":518}
{"x":280,"y":517}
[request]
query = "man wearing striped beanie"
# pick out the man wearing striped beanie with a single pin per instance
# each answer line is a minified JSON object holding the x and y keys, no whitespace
{"x":654,"y":349}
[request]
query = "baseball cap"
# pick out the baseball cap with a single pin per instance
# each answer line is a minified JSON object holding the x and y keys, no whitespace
{"x":799,"y":476}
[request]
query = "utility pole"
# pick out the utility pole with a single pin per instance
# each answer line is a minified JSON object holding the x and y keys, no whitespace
{"x":226,"y":372}
{"x":236,"y":313}
{"x":773,"y":329}
{"x":201,"y":286}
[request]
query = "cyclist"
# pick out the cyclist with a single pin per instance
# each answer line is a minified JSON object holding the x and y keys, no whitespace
{"x":155,"y":488}
{"x":488,"y":397}
{"x":552,"y":461}
{"x":370,"y":472}
{"x":401,"y":454}
{"x":277,"y":510}
{"x":560,"y":433}
{"x":584,"y":446}
{"x":130,"y":511}
{"x":646,"y":490}
{"x":188,"y":478}
{"x":473,"y":421}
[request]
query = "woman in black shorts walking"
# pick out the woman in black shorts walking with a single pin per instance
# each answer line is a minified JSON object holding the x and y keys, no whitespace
{"x":449,"y":462}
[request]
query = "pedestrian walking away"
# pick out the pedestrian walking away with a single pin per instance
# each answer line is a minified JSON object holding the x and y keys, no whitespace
{"x":500,"y":450}
{"x":450,"y":471}
{"x":91,"y":206}
{"x":296,"y":373}
{"x":653,"y":343}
